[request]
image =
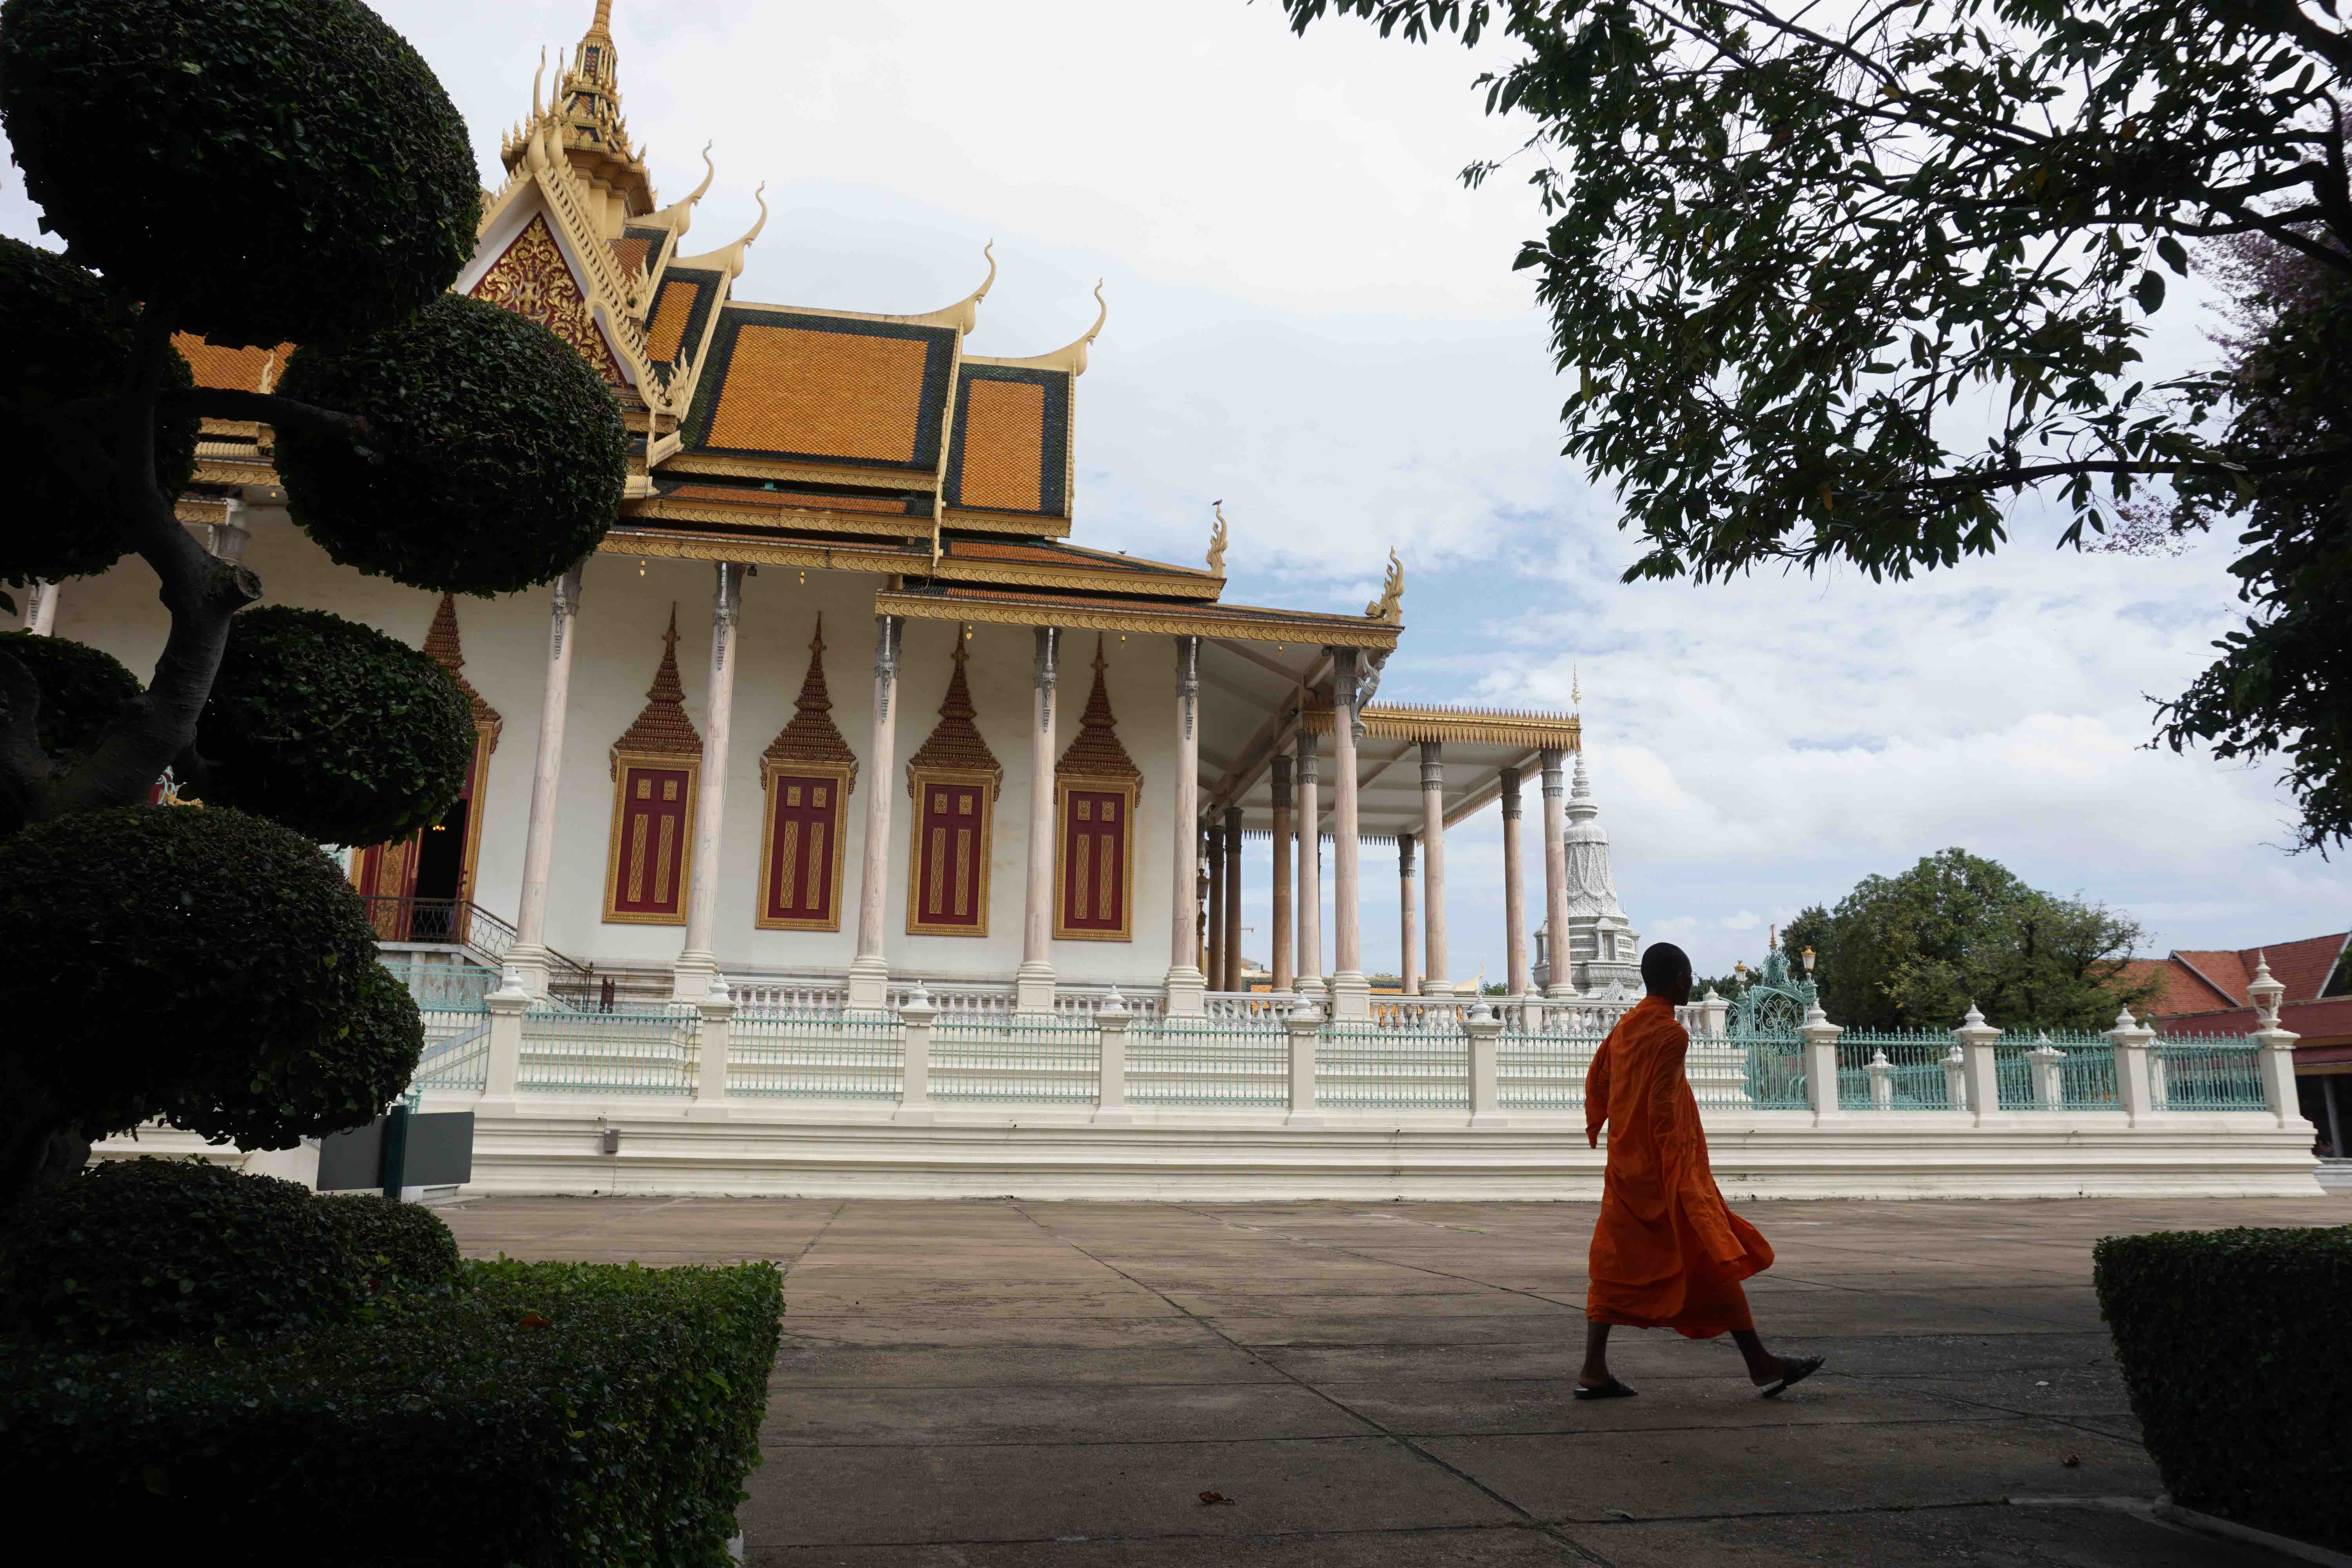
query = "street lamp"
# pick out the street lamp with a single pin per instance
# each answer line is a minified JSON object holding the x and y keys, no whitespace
{"x":1808,"y":963}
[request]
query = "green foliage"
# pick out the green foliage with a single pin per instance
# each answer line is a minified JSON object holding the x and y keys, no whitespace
{"x":602,"y":1414}
{"x":333,"y":727}
{"x":273,"y":170}
{"x":495,"y":458}
{"x":66,"y":340}
{"x":83,"y":689}
{"x":1913,"y":950}
{"x":2232,"y":1346}
{"x":197,"y":960}
{"x":391,"y":1245}
{"x":134,"y":1251}
{"x":1837,"y":285}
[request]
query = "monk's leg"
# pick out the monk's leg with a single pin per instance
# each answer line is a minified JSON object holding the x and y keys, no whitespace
{"x":1596,"y":1356}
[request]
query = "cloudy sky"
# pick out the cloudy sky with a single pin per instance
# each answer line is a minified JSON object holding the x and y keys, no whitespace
{"x":1312,"y":319}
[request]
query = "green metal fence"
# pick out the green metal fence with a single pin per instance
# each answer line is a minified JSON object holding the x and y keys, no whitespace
{"x":457,"y":1050}
{"x":1015,"y":1057}
{"x":1915,"y":1071}
{"x":1544,"y":1070}
{"x":814,"y":1054}
{"x":1209,"y":1061}
{"x":630,"y":1050}
{"x":1363,"y":1066}
{"x":2206,"y":1072}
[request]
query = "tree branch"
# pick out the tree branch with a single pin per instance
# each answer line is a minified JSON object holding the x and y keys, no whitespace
{"x":263,"y":408}
{"x":2026,"y":474}
{"x":24,"y":766}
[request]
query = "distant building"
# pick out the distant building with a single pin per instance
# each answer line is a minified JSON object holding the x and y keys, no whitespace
{"x":1604,"y":948}
{"x":2203,"y":992}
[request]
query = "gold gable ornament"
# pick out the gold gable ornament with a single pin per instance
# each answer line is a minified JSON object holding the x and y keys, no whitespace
{"x":1217,"y":543}
{"x":1390,"y":606}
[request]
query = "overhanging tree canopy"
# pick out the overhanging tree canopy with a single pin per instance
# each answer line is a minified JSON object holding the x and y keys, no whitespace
{"x":1839,"y":284}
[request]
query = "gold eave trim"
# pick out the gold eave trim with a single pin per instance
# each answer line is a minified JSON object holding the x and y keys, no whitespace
{"x":201,"y":509}
{"x":1176,"y":621}
{"x":1082,"y":578}
{"x":869,"y":525}
{"x":1019,"y":525}
{"x":739,"y":468}
{"x":219,"y":472}
{"x":1531,"y":732}
{"x":763,"y":552}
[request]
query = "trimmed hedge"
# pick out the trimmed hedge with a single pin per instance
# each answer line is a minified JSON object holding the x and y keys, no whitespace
{"x":495,"y":456}
{"x":391,"y":1245}
{"x":529,"y":1413}
{"x":283,"y":169}
{"x":67,"y":339}
{"x":2232,"y":1344}
{"x":133,"y":1251}
{"x":333,"y":727}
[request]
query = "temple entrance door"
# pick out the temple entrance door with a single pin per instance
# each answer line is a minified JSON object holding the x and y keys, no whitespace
{"x":421,"y":888}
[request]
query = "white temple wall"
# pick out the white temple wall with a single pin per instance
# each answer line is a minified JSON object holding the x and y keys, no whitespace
{"x":624,"y":605}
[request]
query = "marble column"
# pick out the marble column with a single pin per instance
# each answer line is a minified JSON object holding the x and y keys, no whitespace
{"x":528,"y":956}
{"x":697,"y":961}
{"x":1555,"y":834}
{"x":1034,"y":986}
{"x":1433,"y":855}
{"x":1408,"y":921}
{"x":1309,"y":913}
{"x":1232,"y":898}
{"x":1216,"y":967}
{"x":1515,"y":893}
{"x":41,"y":608}
{"x":869,"y":972}
{"x":1185,"y":983}
{"x":1350,"y":995}
{"x":1283,"y":974}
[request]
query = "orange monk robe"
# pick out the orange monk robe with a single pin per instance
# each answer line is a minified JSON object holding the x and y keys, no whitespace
{"x":1666,"y":1253}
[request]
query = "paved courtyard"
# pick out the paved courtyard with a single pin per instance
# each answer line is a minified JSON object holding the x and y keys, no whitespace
{"x":1306,"y":1386}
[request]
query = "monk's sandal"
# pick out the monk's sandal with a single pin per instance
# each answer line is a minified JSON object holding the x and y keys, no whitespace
{"x":1612,"y":1389}
{"x":1792,"y":1372}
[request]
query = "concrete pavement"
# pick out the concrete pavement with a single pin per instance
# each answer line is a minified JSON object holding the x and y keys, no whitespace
{"x":986,"y":1384}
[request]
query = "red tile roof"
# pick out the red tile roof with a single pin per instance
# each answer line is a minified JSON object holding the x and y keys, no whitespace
{"x":2211,"y":982}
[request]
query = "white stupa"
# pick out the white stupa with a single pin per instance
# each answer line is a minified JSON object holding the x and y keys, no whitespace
{"x":1604,"y":949}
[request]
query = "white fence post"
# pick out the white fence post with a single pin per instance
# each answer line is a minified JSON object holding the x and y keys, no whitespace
{"x":1485,"y":1031}
{"x":1956,"y":1080}
{"x":717,"y":1010}
{"x":2049,"y":1084}
{"x":1304,"y":1024}
{"x":1882,"y":1080}
{"x":2135,"y":1087}
{"x":2275,"y":1046}
{"x":507,"y":1006}
{"x":1111,"y":1020}
{"x":1974,"y":1038}
{"x":1821,"y":1039}
{"x":915,"y":1078}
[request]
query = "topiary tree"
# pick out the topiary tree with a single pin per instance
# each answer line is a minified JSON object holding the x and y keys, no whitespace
{"x":435,"y":441}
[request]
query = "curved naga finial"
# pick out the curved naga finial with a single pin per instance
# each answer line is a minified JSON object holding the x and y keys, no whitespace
{"x":1217,"y":544}
{"x":678,"y":216}
{"x":1390,"y":606}
{"x":536,"y":77}
{"x":1070,"y":357}
{"x":964,"y":314}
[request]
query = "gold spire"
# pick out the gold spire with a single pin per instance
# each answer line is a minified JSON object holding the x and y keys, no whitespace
{"x":956,"y":743}
{"x":662,"y":728}
{"x":811,"y":735}
{"x":442,"y":647}
{"x":1096,"y":753}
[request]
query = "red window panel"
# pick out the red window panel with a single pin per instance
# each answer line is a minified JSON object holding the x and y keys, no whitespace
{"x":1094,"y":862}
{"x":648,"y":880}
{"x":951,"y":886}
{"x":802,"y":880}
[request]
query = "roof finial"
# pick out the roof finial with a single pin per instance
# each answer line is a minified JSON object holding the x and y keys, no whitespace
{"x":1217,"y":543}
{"x":536,"y":77}
{"x":669,"y":638}
{"x":1390,"y":606}
{"x":1575,"y":686}
{"x":816,"y":642}
{"x":604,"y":22}
{"x":1070,"y":357}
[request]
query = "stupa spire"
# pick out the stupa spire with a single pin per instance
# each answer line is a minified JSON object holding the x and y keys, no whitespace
{"x":811,"y":735}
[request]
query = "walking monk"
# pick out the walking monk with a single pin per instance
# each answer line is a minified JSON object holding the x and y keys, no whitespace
{"x":1666,"y":1254}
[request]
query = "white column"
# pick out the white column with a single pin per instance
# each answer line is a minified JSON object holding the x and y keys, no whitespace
{"x":696,"y":959}
{"x":1408,"y":921}
{"x":1214,"y":924}
{"x":1231,"y":945}
{"x":502,"y":1067}
{"x":1351,"y":996}
{"x":528,"y":957}
{"x":1284,"y":974}
{"x":869,"y":972}
{"x":1034,"y":986}
{"x":915,"y":1015}
{"x":718,"y":1009}
{"x":1485,"y":1032}
{"x":1555,"y":835}
{"x":41,"y":609}
{"x":1310,"y":868}
{"x":1515,"y":892}
{"x":1820,"y":1038}
{"x":1111,"y":1021}
{"x":1186,"y":985}
{"x":1433,"y":877}
{"x":1304,"y":1026}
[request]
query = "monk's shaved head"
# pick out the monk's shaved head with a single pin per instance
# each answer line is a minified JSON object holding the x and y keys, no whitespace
{"x":1666,"y":971}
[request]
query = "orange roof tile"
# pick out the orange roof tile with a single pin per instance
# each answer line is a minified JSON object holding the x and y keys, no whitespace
{"x":1003,"y":440}
{"x":232,"y":370}
{"x":735,"y":495}
{"x":673,"y":308}
{"x":833,"y":389}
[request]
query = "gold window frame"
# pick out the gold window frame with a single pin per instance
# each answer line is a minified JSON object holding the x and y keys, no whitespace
{"x":622,"y":763}
{"x":770,"y":770}
{"x":1127,"y":791}
{"x":962,"y":778}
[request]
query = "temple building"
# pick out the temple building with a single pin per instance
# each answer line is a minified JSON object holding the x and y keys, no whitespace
{"x":841,"y":704}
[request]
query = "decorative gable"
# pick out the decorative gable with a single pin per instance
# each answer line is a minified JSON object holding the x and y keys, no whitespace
{"x":532,"y":278}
